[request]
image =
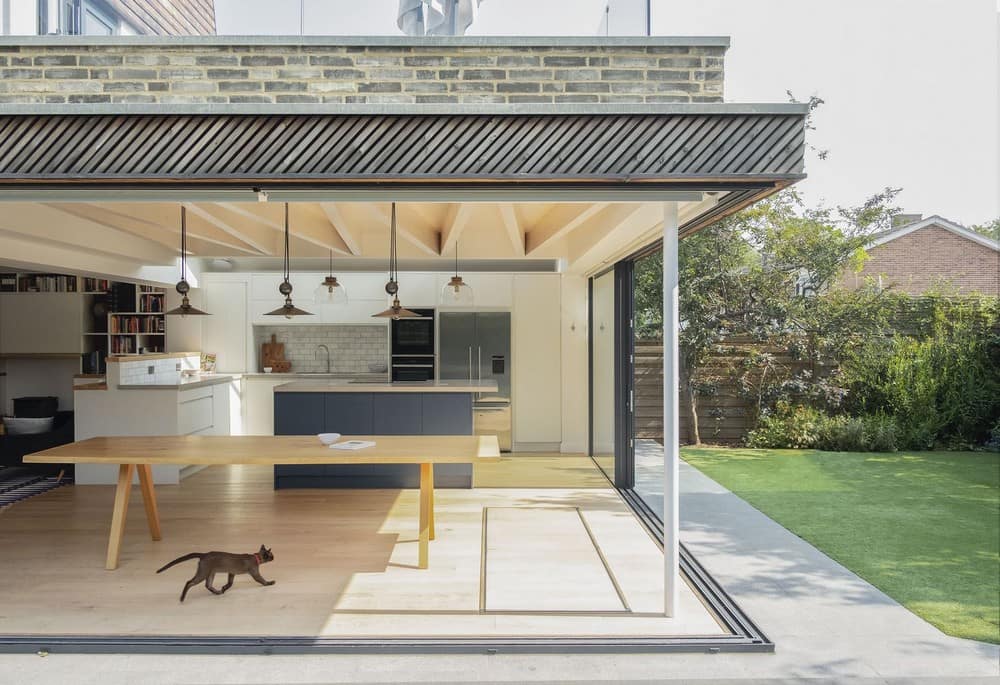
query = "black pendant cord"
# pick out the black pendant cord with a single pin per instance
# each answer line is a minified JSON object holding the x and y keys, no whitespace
{"x":393,"y":264}
{"x":184,"y":243}
{"x":456,"y":259}
{"x":287,"y":274}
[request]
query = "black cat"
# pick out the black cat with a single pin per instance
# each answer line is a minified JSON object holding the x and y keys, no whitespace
{"x":210,"y":563}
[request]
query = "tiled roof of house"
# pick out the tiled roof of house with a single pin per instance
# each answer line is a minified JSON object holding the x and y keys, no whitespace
{"x":940,"y":222}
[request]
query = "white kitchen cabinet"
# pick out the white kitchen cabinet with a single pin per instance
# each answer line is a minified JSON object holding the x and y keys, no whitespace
{"x":536,"y":359}
{"x":418,"y":289}
{"x":488,"y":290}
{"x":361,"y":285}
{"x":354,"y":312}
{"x":41,"y":323}
{"x":258,"y":403}
{"x":264,"y":286}
{"x":225,"y":331}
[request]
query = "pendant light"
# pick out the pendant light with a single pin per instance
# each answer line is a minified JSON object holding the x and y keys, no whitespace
{"x":456,"y":292}
{"x":287,"y":310}
{"x":182,"y":285}
{"x":330,"y":291}
{"x":396,"y":311}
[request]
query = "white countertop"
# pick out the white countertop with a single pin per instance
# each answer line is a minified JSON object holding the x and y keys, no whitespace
{"x":399,"y":386}
{"x":183,"y":384}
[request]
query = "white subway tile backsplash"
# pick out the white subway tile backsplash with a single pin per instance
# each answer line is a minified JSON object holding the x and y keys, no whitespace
{"x":352,"y":348}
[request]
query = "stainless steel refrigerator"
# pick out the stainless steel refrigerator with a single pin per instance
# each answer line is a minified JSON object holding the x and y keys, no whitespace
{"x":475,"y":346}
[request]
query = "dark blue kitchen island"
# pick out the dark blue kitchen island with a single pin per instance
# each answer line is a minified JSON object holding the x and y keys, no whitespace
{"x":400,"y":408}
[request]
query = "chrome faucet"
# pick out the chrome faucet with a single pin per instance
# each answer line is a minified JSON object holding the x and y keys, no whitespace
{"x":318,"y":347}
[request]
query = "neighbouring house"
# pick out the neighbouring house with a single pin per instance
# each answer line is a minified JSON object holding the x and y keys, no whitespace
{"x":918,"y":254}
{"x":107,"y":17}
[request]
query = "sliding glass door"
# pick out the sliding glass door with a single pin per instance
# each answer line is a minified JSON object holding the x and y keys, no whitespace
{"x":626,"y":379}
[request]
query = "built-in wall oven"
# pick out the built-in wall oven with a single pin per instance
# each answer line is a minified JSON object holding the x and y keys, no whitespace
{"x":412,"y":347}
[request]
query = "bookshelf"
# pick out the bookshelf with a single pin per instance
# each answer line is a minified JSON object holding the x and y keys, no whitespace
{"x":141,"y":331}
{"x":80,"y":314}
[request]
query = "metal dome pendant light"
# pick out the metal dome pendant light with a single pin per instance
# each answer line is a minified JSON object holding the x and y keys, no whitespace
{"x":396,"y":311}
{"x":456,"y":292}
{"x":330,"y":291}
{"x":182,"y":286}
{"x":287,"y":310}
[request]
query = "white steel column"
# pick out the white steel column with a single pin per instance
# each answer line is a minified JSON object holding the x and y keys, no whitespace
{"x":671,"y":423}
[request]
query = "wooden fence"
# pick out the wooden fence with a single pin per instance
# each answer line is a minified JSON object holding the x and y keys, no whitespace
{"x":724,"y":417}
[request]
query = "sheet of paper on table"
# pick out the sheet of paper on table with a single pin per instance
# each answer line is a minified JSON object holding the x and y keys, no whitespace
{"x":352,"y":445}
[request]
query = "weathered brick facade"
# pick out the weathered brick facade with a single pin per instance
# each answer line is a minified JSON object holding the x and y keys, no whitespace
{"x":928,"y":258}
{"x":498,"y":71}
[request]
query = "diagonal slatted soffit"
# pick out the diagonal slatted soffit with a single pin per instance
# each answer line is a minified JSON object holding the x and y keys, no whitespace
{"x":234,"y":148}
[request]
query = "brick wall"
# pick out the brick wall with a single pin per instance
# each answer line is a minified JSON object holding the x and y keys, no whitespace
{"x":500,"y":72}
{"x":925,"y":258}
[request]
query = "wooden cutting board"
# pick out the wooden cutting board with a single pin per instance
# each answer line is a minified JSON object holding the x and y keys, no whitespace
{"x":272,"y":355}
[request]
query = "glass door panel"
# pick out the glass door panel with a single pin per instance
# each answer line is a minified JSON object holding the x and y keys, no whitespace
{"x":603,"y":391}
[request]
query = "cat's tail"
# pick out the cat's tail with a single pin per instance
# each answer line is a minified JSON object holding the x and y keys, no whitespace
{"x":186,"y":557}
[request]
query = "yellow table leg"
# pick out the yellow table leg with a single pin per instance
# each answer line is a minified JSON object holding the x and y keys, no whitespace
{"x":431,"y":507}
{"x":426,"y":506}
{"x":149,"y":499}
{"x":122,"y":493}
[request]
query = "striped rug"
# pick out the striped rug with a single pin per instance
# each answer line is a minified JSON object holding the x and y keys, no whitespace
{"x":18,"y":483}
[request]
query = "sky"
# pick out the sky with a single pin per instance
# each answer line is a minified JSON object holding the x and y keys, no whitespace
{"x":912,"y":87}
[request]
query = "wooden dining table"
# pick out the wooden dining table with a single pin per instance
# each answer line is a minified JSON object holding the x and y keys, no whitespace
{"x":139,"y":454}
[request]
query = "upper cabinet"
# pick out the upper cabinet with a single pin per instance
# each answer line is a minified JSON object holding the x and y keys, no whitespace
{"x":488,"y":290}
{"x":41,"y":323}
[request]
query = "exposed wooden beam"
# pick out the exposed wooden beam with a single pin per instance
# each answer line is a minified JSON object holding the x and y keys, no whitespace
{"x":605,"y":235}
{"x":306,"y":221}
{"x":40,"y":223}
{"x":154,"y":232}
{"x":166,"y":217}
{"x":340,"y":225}
{"x":508,"y":217}
{"x":455,"y":222}
{"x":558,"y":222}
{"x":424,"y":238}
{"x":256,"y":237}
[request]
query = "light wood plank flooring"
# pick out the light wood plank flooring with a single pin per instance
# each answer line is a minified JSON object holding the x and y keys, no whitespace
{"x":344,"y":563}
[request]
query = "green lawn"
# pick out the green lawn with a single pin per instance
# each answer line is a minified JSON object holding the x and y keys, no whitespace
{"x":923,"y":527}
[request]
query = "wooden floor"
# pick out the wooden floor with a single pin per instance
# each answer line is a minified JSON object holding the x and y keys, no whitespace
{"x":344,"y":562}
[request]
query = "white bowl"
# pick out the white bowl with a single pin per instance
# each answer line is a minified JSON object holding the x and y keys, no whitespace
{"x":328,"y":438}
{"x":268,"y":369}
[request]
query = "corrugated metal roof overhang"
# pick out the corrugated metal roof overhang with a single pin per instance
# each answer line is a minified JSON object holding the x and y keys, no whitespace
{"x":751,"y":150}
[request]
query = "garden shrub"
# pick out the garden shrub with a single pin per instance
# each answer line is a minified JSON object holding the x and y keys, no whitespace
{"x":788,"y":427}
{"x":942,"y":384}
{"x":802,"y":427}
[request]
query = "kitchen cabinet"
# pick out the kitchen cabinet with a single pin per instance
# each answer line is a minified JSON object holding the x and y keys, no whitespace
{"x":536,"y":358}
{"x":386,"y":412}
{"x":258,"y":403}
{"x":225,"y":331}
{"x":41,"y":323}
{"x":489,"y":290}
{"x":418,"y":289}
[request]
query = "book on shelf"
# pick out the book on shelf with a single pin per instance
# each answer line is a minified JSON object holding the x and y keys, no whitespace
{"x":46,"y":283}
{"x":8,"y":283}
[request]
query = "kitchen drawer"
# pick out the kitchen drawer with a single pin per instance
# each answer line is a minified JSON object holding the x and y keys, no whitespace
{"x":195,"y":415}
{"x":189,"y":395}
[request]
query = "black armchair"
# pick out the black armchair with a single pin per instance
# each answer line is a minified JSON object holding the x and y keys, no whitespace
{"x":14,"y":447}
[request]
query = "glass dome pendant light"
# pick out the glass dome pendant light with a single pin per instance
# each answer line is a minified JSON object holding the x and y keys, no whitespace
{"x":330,"y":291}
{"x":456,"y":292}
{"x":287,"y":310}
{"x":396,"y":311}
{"x":182,"y":287}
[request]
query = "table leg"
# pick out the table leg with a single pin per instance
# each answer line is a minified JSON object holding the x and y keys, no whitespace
{"x":122,"y":493}
{"x":426,"y":505}
{"x":431,"y":507}
{"x":149,"y":499}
